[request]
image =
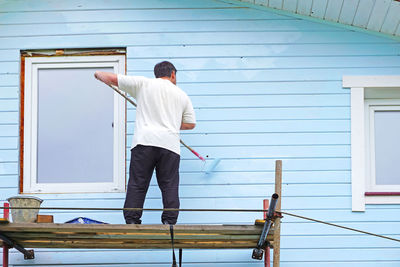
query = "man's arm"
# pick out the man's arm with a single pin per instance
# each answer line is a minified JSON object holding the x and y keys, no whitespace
{"x":107,"y":77}
{"x":188,"y":116}
{"x":187,"y":126}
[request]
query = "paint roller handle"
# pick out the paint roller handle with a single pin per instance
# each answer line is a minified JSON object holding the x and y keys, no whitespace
{"x":121,"y":94}
{"x":115,"y":88}
{"x":192,"y":150}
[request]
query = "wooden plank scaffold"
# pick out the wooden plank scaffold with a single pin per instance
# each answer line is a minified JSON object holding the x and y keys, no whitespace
{"x":142,"y":236}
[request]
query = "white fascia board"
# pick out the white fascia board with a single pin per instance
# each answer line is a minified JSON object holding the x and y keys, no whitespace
{"x":371,"y":81}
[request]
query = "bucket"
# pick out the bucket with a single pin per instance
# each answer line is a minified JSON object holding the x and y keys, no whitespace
{"x":24,"y":215}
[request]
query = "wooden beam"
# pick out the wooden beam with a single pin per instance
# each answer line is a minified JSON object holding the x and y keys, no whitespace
{"x":51,"y":227}
{"x":121,"y":236}
{"x":129,"y":236}
{"x":139,"y":244}
{"x":267,"y":254}
{"x":21,"y":123}
{"x":277,"y":223}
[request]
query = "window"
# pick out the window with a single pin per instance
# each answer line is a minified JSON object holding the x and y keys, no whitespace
{"x":383,"y":126}
{"x":375,"y":146}
{"x":73,"y":126}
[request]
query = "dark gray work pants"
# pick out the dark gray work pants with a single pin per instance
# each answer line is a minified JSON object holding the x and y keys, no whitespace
{"x":144,"y":159}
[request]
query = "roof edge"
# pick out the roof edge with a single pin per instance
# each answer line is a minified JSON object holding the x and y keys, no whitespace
{"x":309,"y":18}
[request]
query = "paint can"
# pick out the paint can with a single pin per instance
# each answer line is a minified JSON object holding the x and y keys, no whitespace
{"x":24,"y":215}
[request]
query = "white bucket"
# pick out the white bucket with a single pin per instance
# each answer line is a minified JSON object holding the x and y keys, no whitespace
{"x":24,"y":215}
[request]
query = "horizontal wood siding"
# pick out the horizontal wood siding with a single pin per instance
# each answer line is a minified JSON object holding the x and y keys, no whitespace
{"x":264,"y":87}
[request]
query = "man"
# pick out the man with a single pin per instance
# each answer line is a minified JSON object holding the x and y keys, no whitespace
{"x":162,"y":110}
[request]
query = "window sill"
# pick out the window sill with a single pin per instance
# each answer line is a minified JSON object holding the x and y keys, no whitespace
{"x":382,"y":198}
{"x":49,"y":196}
{"x":382,"y":193}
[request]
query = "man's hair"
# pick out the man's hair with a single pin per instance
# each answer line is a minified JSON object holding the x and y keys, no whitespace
{"x":164,"y":69}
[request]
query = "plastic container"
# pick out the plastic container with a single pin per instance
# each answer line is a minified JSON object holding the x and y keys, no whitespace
{"x":84,"y":220}
{"x":24,"y":215}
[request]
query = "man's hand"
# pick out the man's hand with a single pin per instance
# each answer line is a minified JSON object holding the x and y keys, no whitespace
{"x":187,"y":126}
{"x":108,"y":78}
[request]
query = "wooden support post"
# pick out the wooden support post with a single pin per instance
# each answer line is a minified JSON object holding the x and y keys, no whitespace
{"x":277,"y":223}
{"x":267,"y":254}
{"x":6,"y":215}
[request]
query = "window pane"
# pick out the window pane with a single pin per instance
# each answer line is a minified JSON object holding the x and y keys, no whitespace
{"x":387,"y":147}
{"x":75,"y":133}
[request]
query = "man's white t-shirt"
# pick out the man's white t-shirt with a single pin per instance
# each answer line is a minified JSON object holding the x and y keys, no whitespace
{"x":161,"y":108}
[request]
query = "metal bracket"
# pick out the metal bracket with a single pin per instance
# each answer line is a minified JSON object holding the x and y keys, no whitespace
{"x":28,"y":254}
{"x":262,"y":242}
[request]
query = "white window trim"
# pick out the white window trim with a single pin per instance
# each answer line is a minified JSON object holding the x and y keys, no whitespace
{"x":30,"y":185}
{"x":358,"y":84}
{"x":371,"y":106}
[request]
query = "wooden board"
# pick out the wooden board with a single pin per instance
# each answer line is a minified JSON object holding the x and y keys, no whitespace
{"x":121,"y":236}
{"x":4,"y":220}
{"x":44,"y":218}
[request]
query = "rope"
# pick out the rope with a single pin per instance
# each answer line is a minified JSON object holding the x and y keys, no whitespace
{"x":209,"y":210}
{"x":171,"y":231}
{"x":340,"y":226}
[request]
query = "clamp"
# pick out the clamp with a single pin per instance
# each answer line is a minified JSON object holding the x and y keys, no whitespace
{"x":271,"y":215}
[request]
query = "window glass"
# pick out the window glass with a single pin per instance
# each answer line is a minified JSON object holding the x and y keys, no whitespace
{"x":387,"y":147}
{"x":75,"y":127}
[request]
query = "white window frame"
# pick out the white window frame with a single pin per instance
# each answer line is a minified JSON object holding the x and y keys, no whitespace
{"x":32,"y":65}
{"x":371,"y":106}
{"x":359,"y":137}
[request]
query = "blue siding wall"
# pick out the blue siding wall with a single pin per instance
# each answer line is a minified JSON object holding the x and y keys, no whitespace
{"x":265,"y":86}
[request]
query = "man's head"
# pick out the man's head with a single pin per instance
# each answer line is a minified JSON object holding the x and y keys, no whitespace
{"x":165,"y":70}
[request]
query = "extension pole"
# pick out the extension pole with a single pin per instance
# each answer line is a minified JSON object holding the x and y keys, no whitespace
{"x":134,"y":104}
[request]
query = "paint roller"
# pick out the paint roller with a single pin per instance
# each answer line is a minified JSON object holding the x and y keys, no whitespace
{"x":212,"y":166}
